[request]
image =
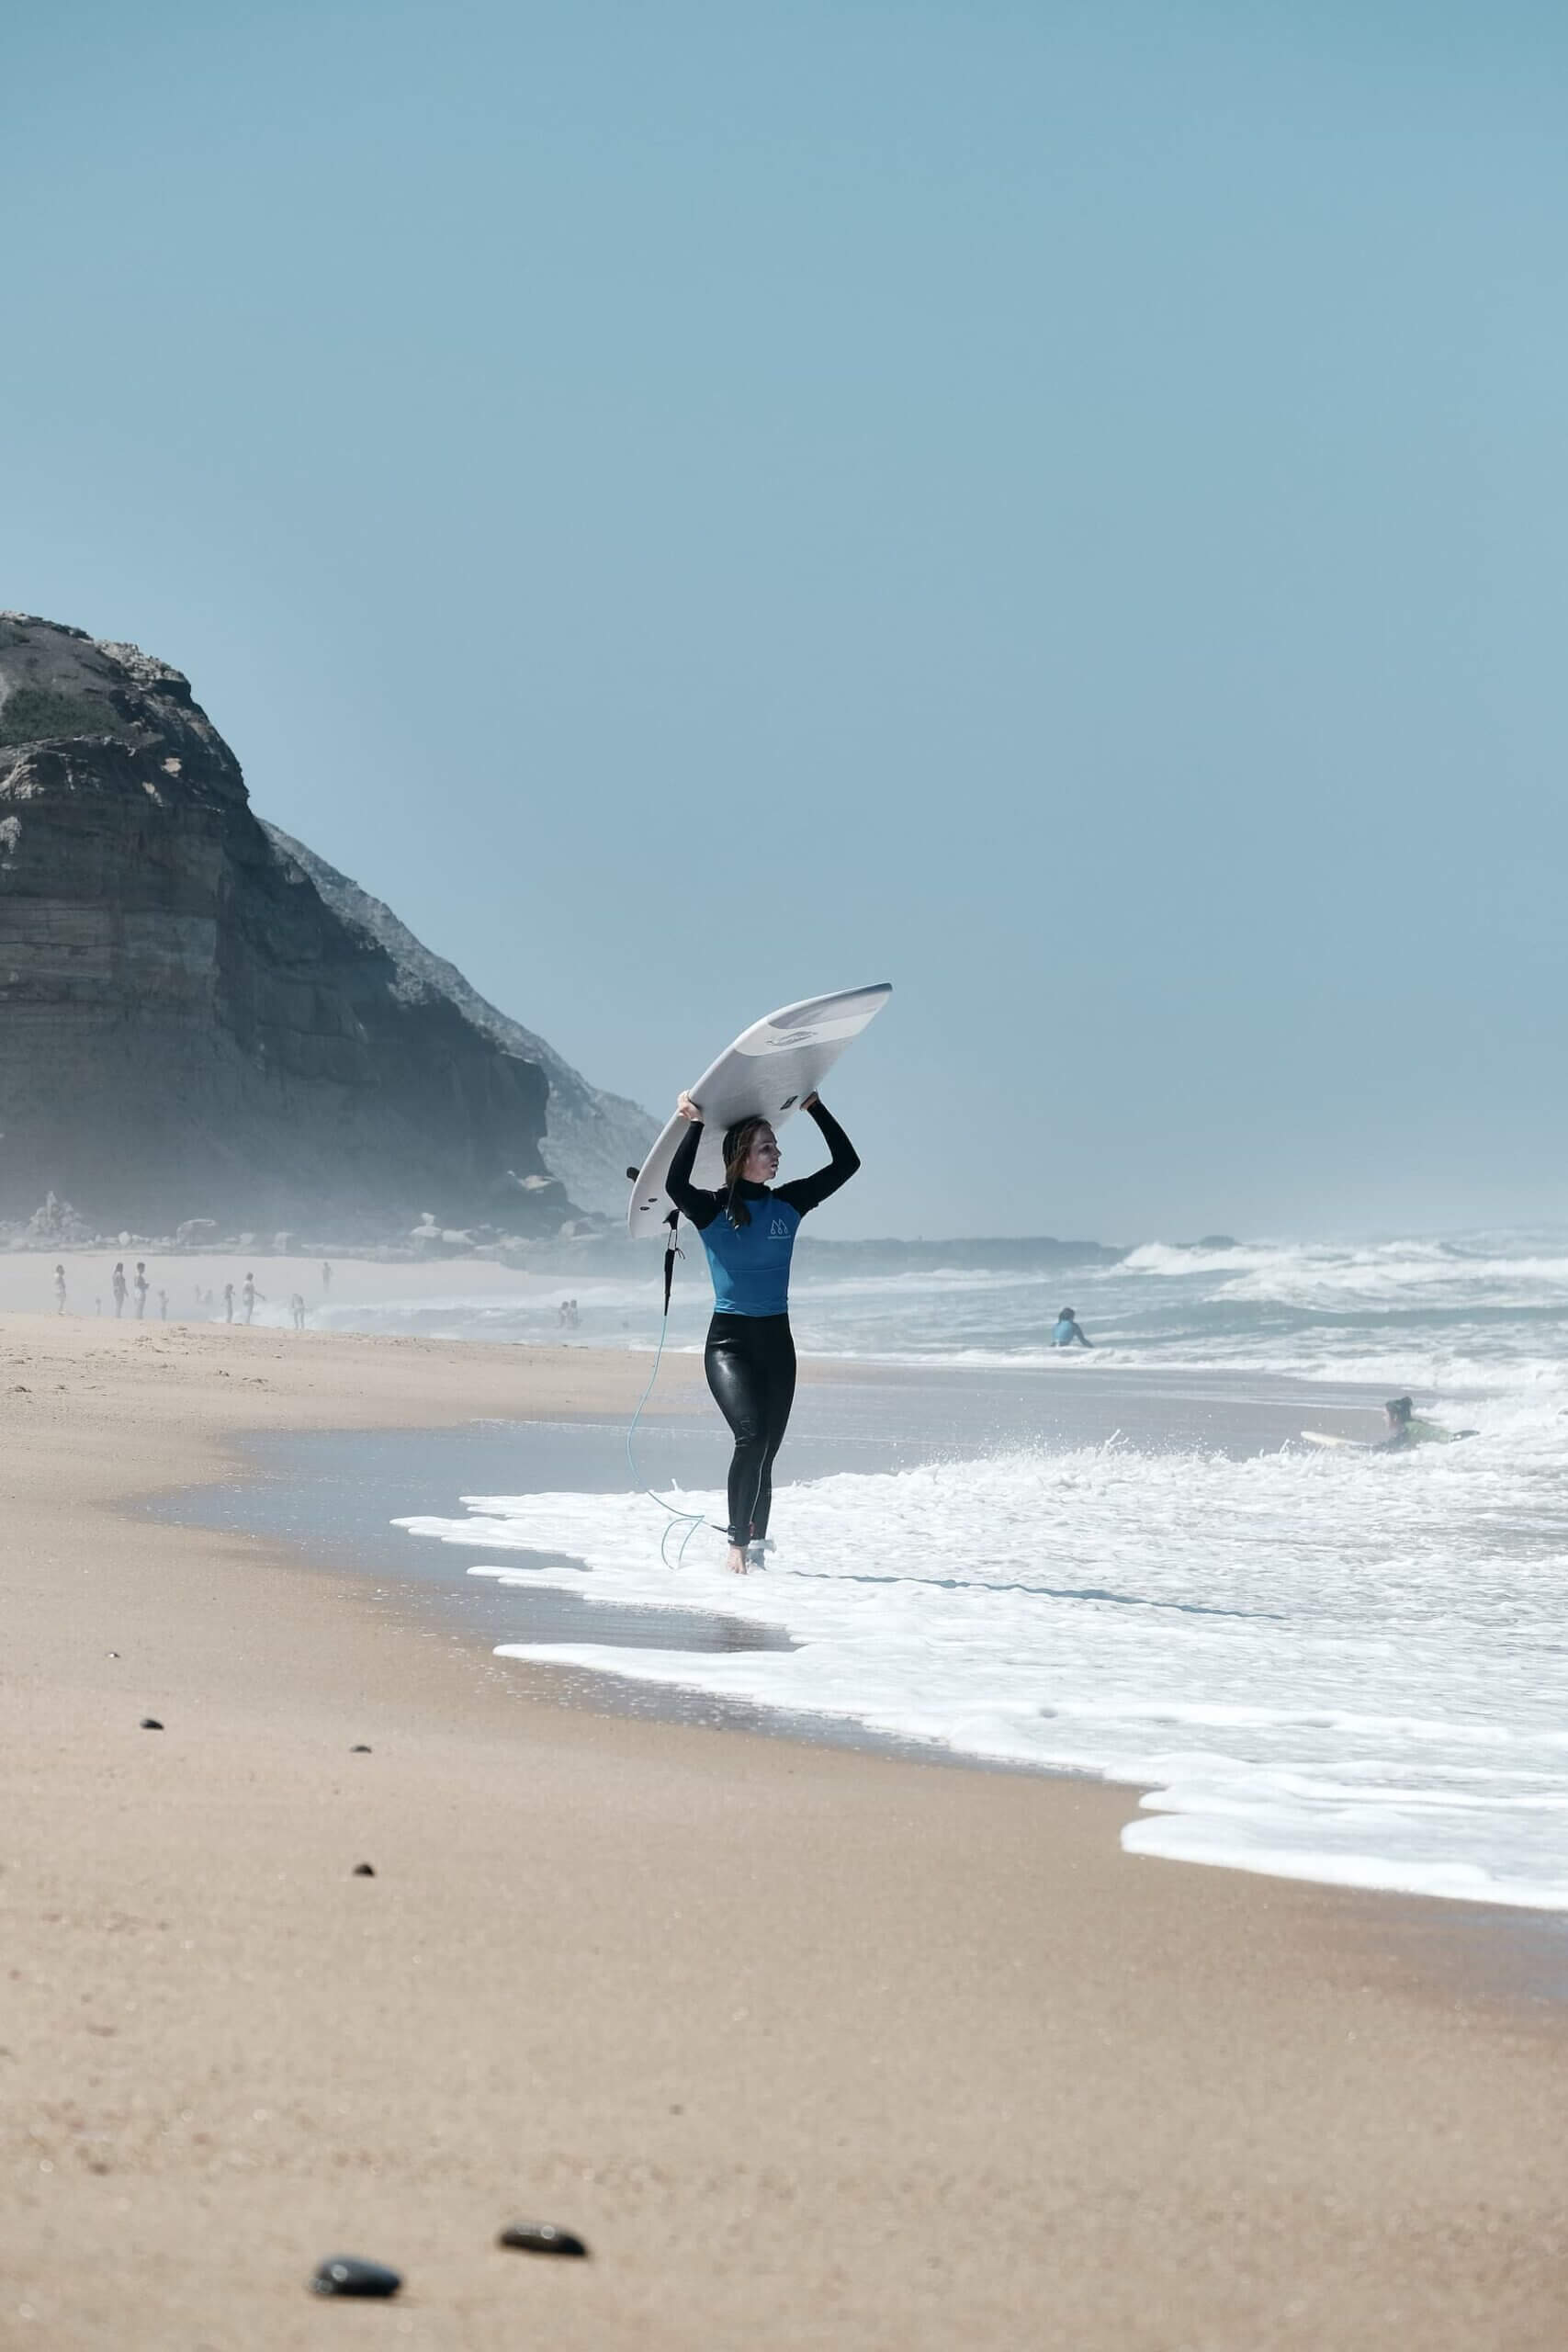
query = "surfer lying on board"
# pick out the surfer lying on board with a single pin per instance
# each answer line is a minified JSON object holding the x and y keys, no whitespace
{"x":748,"y":1231}
{"x":1405,"y":1428}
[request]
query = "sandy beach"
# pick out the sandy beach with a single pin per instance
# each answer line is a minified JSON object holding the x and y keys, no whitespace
{"x":812,"y":2047}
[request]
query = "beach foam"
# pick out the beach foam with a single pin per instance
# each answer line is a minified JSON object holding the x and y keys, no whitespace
{"x":1345,"y":1666}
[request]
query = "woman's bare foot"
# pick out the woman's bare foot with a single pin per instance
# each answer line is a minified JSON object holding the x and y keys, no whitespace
{"x":734,"y":1559}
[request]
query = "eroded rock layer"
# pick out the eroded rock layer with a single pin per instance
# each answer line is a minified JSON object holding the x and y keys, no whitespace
{"x":186,"y":1029}
{"x":593,"y":1136}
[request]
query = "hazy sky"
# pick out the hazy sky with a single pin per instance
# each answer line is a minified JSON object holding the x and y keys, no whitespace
{"x":1058,"y":507}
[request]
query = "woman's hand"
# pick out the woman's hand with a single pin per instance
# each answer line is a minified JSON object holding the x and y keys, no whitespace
{"x":687,"y":1109}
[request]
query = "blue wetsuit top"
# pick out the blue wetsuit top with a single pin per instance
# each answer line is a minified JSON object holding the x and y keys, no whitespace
{"x":750,"y":1263}
{"x":1066,"y":1332}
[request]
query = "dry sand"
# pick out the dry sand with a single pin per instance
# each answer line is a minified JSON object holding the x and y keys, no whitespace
{"x":815,"y":2048}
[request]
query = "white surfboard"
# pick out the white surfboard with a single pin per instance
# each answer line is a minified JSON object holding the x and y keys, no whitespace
{"x":762,"y":1075}
{"x":1426,"y":1434}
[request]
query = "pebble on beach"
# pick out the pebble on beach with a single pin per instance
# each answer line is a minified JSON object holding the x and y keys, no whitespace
{"x":347,"y":2274}
{"x":150,"y":1722}
{"x":359,"y":1749}
{"x":364,"y":1870}
{"x":541,"y":2237}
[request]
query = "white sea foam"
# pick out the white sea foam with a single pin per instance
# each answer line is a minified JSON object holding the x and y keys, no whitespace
{"x":1344,"y":1667}
{"x":1341,"y":1667}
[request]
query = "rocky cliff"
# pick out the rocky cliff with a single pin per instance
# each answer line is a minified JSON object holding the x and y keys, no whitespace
{"x":186,"y":1028}
{"x":591,"y":1137}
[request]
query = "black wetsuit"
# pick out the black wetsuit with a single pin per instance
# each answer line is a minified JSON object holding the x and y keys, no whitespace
{"x":749,"y":1356}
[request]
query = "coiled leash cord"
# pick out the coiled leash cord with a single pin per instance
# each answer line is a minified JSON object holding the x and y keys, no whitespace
{"x":696,"y":1518}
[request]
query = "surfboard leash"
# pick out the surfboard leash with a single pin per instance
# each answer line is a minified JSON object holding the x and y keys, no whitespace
{"x":672,"y":1250}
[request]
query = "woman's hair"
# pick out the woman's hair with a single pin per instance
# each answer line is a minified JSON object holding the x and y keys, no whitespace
{"x":737,"y":1142}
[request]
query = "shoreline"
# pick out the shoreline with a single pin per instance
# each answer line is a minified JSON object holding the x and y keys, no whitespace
{"x":323,"y":1494}
{"x":1540,"y":1932}
{"x":813,"y":2045}
{"x":893,"y":1652}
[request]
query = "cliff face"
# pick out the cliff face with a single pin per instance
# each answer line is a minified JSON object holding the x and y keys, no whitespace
{"x":594,"y":1137}
{"x":186,"y":1028}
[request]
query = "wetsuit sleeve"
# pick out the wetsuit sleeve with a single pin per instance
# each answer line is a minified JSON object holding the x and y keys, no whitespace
{"x":699,"y":1208}
{"x":810,"y":1192}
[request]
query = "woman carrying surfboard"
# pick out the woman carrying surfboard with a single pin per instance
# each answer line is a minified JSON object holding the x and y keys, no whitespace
{"x":748,"y":1229}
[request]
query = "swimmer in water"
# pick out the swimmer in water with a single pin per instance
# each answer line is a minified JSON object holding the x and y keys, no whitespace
{"x":1068,"y":1329}
{"x":748,"y":1229}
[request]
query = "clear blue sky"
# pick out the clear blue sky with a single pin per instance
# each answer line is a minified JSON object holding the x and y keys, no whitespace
{"x":1061,"y":508}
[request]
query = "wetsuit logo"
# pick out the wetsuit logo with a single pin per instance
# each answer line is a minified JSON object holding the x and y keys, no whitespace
{"x":779,"y":1229}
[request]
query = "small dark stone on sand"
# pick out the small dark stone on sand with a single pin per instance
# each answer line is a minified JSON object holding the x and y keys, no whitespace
{"x":346,"y":2274}
{"x":364,"y":1870}
{"x":112,"y":1653}
{"x":359,"y":1749}
{"x":541,"y":2237}
{"x":150,"y":1722}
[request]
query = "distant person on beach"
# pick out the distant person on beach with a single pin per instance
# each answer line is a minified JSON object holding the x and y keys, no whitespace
{"x":141,"y":1288}
{"x":748,"y":1229}
{"x":162,"y":1306}
{"x":117,"y":1283}
{"x":227,"y":1302}
{"x":326,"y":1275}
{"x":1069,"y":1331}
{"x":297,"y":1308}
{"x":250,"y":1295}
{"x":59,"y":1290}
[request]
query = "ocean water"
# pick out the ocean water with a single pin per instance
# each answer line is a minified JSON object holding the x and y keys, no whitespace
{"x":1479,"y":1312}
{"x":1332,"y":1665}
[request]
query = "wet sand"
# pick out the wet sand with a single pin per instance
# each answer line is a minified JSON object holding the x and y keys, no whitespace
{"x":814,"y":2047}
